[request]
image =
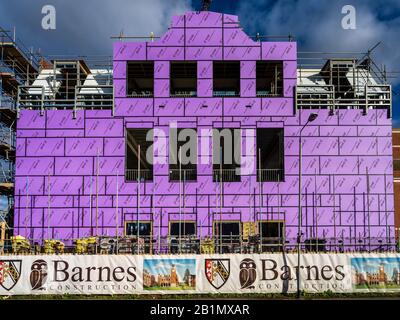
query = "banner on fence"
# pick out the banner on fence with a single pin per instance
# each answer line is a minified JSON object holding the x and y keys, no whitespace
{"x":169,"y":274}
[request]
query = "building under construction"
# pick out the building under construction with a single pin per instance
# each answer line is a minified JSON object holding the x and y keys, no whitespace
{"x":18,"y":66}
{"x":82,"y":166}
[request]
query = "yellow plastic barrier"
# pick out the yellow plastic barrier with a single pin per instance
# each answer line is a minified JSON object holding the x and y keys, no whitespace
{"x":207,"y":246}
{"x":52,"y":246}
{"x":249,"y":229}
{"x":85,"y":245}
{"x":20,"y":244}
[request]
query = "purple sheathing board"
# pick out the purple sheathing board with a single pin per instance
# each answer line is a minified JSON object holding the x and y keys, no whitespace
{"x":338,"y":149}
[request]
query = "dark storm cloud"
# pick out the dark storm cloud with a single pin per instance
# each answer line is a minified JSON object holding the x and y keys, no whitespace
{"x":84,"y":26}
{"x":317,"y":27}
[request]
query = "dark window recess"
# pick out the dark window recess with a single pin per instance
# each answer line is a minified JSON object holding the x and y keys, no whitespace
{"x":183,"y":237}
{"x":226,"y":75}
{"x":227,"y":234}
{"x":134,"y":139}
{"x":140,"y":79}
{"x":186,"y":229}
{"x":183,"y":79}
{"x":227,"y":228}
{"x":226,"y":166}
{"x":272,"y":229}
{"x":269,"y":78}
{"x":145,"y":233}
{"x":270,"y":154}
{"x":272,"y":234}
{"x":185,"y":171}
{"x":132,"y":228}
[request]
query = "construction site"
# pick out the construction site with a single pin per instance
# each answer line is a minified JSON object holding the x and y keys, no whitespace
{"x":75,"y":177}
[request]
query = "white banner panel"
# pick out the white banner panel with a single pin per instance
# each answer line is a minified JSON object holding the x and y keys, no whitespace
{"x":70,"y":274}
{"x":172,"y":274}
{"x":274,"y":273}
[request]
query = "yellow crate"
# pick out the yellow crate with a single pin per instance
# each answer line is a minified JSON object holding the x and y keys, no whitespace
{"x":53,"y":246}
{"x":249,"y":229}
{"x":20,"y":244}
{"x":84,"y":244}
{"x":207,"y":247}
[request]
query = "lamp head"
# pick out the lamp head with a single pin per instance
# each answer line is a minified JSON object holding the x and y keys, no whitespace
{"x":312,"y":117}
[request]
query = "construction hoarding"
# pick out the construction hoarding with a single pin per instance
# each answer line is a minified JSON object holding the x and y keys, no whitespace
{"x":185,"y":274}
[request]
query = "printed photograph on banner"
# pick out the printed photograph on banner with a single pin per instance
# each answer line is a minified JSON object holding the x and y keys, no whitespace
{"x":376,"y":273}
{"x":169,"y":274}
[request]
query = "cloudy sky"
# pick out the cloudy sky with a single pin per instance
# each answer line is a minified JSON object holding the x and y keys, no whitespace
{"x":84,"y":27}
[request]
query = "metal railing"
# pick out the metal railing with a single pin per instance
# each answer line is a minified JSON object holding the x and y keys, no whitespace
{"x":324,"y":97}
{"x":8,"y":137}
{"x":265,"y":94}
{"x":144,"y":94}
{"x":226,"y":175}
{"x":17,"y":70}
{"x":184,"y":94}
{"x":183,"y":174}
{"x":8,"y":37}
{"x":7,"y":102}
{"x":38,"y":97}
{"x":270,"y":175}
{"x":7,"y":176}
{"x":226,"y":93}
{"x":134,"y":175}
{"x":192,"y":244}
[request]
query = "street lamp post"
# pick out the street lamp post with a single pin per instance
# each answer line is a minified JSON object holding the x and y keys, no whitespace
{"x":311,"y":118}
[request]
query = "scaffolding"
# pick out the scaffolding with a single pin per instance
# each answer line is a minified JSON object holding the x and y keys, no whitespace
{"x":342,"y":83}
{"x":18,"y":66}
{"x":69,"y":83}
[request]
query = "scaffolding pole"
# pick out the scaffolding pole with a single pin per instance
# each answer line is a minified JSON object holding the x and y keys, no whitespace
{"x":26,"y":207}
{"x":355,"y":216}
{"x":261,"y":200}
{"x":116,"y":215}
{"x":214,"y":224}
{"x":220,"y":199}
{"x":334,"y":211}
{"x":49,"y":205}
{"x":184,"y":202}
{"x":159,"y":233}
{"x":386,"y":213}
{"x":314,"y":198}
{"x":97,"y":195}
{"x":2,"y":236}
{"x":369,"y":224}
{"x":138,"y":204}
{"x":152,"y":224}
{"x":90,"y":206}
{"x":180,"y":200}
{"x":279,"y":201}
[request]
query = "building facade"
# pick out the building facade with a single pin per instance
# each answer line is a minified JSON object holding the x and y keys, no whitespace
{"x":80,"y":172}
